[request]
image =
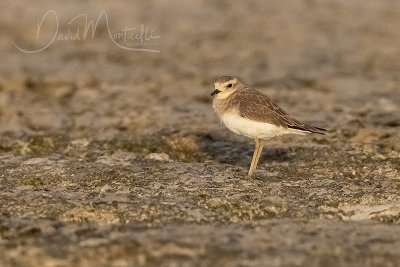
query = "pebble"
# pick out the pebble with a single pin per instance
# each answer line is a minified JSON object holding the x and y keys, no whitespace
{"x":158,"y":156}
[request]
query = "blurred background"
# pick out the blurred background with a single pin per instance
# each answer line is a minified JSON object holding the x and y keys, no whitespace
{"x":346,"y":53}
{"x":115,"y":156}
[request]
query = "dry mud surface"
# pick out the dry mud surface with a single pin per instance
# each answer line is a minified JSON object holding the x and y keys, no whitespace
{"x":111,"y":157}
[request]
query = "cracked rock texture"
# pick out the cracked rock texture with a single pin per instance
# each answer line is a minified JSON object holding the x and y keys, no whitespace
{"x":111,"y":157}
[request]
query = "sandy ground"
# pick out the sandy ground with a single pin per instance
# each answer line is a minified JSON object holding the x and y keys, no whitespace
{"x":110,"y":157}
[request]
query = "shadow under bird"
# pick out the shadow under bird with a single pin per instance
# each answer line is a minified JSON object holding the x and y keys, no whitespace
{"x":248,"y":112}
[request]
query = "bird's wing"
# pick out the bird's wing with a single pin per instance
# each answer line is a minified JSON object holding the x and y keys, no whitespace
{"x":256,"y":106}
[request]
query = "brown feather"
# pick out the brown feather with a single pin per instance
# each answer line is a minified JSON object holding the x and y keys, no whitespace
{"x":256,"y":106}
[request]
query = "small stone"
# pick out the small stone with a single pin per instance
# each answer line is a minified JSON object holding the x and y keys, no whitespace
{"x":158,"y":156}
{"x":94,"y":242}
{"x":105,"y":188}
{"x":80,"y":142}
{"x":36,"y":161}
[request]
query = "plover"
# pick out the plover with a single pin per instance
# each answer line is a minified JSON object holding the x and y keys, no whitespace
{"x":248,"y":112}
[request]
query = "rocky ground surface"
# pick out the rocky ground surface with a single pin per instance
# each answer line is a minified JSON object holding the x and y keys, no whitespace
{"x":111,"y":157}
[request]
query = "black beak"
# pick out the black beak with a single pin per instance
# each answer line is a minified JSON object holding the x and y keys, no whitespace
{"x":216,"y":92}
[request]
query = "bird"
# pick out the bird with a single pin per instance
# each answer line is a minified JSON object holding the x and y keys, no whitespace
{"x":248,"y":112}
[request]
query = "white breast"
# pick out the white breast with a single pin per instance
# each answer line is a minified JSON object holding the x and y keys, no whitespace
{"x":253,"y":129}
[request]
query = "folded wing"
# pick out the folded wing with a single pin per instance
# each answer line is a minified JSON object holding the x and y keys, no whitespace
{"x":256,"y":106}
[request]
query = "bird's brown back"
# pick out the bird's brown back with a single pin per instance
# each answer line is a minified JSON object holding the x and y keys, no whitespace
{"x":254,"y":105}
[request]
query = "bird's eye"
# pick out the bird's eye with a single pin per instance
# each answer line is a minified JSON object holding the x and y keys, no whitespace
{"x":229,"y":85}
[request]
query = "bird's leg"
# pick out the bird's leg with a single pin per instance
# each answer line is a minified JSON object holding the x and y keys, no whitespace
{"x":256,"y":156}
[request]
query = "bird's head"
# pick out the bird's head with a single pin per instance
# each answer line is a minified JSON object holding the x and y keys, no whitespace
{"x":225,"y":86}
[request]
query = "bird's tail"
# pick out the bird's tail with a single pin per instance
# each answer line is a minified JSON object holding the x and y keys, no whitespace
{"x":308,"y":128}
